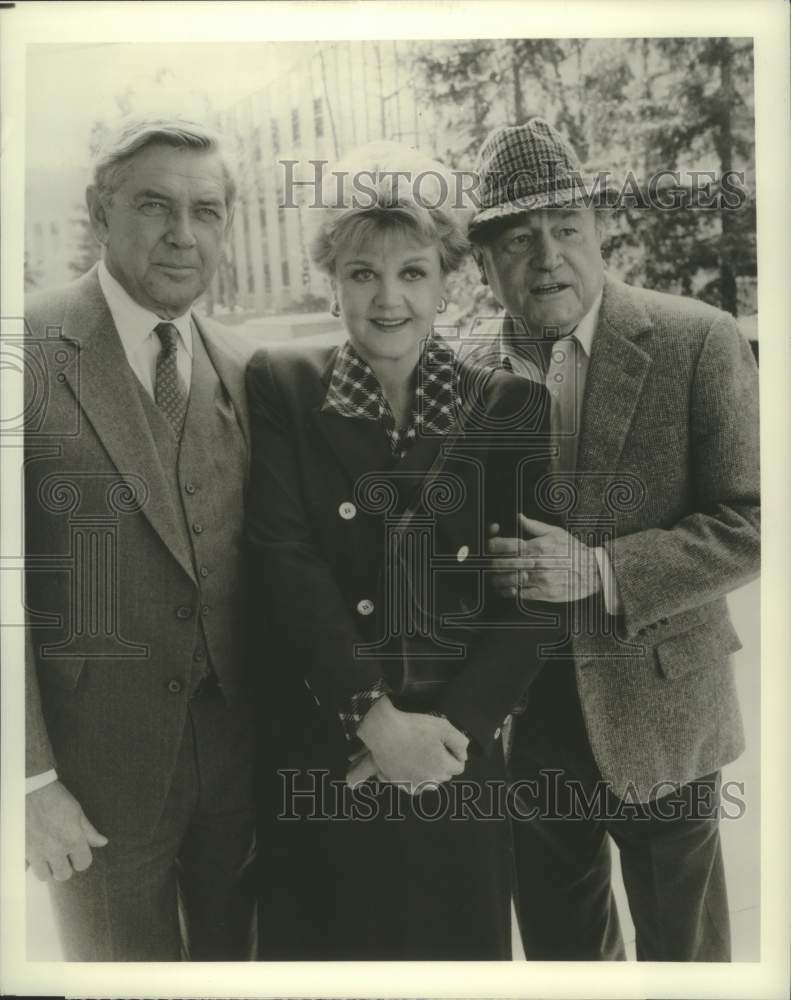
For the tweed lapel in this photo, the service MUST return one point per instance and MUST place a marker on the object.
(618, 368)
(230, 370)
(106, 390)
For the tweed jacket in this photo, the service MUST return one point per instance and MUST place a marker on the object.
(111, 644)
(668, 473)
(324, 488)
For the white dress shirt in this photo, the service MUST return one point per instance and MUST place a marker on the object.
(135, 325)
(565, 379)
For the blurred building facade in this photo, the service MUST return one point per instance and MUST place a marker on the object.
(331, 98)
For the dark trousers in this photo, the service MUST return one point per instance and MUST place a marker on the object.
(373, 875)
(186, 892)
(670, 851)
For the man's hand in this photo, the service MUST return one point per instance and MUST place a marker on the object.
(408, 748)
(548, 564)
(58, 834)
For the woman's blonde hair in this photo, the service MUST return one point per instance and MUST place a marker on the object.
(385, 187)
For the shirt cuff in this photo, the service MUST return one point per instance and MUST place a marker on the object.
(612, 597)
(37, 781)
(358, 705)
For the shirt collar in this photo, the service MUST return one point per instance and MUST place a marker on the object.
(586, 327)
(354, 391)
(133, 322)
(582, 333)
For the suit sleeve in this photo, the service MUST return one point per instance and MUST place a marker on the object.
(39, 756)
(503, 661)
(661, 572)
(294, 585)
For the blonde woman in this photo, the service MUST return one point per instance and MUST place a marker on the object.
(355, 447)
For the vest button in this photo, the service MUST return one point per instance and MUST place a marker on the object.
(197, 528)
(365, 607)
(189, 488)
(204, 610)
(174, 686)
(204, 571)
(198, 655)
(183, 612)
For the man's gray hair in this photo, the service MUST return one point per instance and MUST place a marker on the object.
(135, 134)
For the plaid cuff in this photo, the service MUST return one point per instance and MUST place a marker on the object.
(358, 705)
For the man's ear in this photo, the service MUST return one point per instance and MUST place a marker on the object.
(478, 257)
(97, 211)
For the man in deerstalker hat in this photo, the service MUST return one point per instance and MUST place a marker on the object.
(655, 438)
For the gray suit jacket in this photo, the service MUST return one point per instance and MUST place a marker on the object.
(106, 689)
(668, 465)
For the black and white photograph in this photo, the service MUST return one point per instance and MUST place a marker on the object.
(388, 608)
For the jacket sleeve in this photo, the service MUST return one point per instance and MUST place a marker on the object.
(661, 572)
(39, 756)
(503, 661)
(294, 585)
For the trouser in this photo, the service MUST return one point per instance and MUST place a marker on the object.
(186, 891)
(670, 851)
(374, 875)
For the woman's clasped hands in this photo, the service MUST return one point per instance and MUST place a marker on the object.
(414, 750)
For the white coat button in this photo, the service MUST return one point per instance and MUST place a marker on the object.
(347, 510)
(498, 733)
(462, 554)
(365, 607)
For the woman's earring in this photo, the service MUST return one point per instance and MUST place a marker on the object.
(335, 309)
(442, 305)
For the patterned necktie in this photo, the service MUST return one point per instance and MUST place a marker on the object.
(170, 393)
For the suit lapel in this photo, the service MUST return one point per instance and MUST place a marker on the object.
(106, 389)
(359, 445)
(231, 372)
(618, 368)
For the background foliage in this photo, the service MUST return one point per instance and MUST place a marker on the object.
(640, 105)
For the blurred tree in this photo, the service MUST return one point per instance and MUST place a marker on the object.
(463, 80)
(87, 249)
(32, 275)
(701, 117)
(627, 105)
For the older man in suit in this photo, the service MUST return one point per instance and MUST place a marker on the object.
(138, 740)
(655, 419)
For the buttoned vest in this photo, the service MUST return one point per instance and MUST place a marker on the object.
(206, 473)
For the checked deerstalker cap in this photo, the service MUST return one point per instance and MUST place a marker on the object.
(524, 167)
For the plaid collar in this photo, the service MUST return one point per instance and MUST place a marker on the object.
(355, 392)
